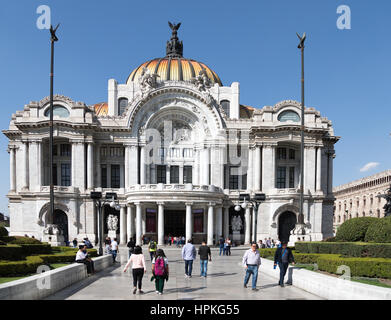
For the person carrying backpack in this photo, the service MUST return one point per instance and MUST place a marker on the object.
(152, 247)
(160, 270)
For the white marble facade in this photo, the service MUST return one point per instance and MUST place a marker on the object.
(177, 148)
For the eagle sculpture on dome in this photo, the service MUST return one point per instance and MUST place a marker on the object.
(174, 27)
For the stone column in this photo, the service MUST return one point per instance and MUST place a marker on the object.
(33, 166)
(226, 222)
(319, 169)
(130, 221)
(247, 223)
(257, 169)
(78, 164)
(98, 181)
(196, 168)
(250, 169)
(189, 221)
(144, 222)
(210, 223)
(138, 223)
(142, 165)
(160, 224)
(219, 221)
(181, 174)
(331, 157)
(122, 225)
(90, 166)
(268, 168)
(168, 174)
(205, 166)
(133, 165)
(25, 166)
(12, 169)
(126, 164)
(253, 217)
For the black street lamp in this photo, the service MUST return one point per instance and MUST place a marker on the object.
(301, 214)
(255, 200)
(111, 199)
(53, 39)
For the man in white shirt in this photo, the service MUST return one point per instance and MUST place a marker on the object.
(251, 263)
(82, 257)
(114, 249)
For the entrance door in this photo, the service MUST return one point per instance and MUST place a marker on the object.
(286, 223)
(61, 220)
(174, 222)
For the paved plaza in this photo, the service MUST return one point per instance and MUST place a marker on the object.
(224, 282)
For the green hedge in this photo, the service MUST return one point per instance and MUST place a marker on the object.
(33, 249)
(299, 257)
(18, 268)
(349, 249)
(359, 267)
(354, 229)
(3, 232)
(379, 231)
(11, 252)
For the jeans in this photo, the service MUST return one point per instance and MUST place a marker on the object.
(138, 274)
(152, 254)
(188, 267)
(204, 267)
(221, 250)
(251, 270)
(283, 268)
(114, 253)
(130, 253)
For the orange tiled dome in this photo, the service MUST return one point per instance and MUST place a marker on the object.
(174, 68)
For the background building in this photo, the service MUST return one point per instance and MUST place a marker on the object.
(359, 198)
(207, 148)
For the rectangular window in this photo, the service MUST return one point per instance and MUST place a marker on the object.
(281, 154)
(161, 174)
(244, 182)
(104, 175)
(55, 150)
(292, 154)
(281, 177)
(233, 179)
(291, 177)
(187, 174)
(174, 174)
(66, 174)
(115, 176)
(54, 174)
(65, 150)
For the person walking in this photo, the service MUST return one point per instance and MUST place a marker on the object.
(251, 262)
(152, 247)
(221, 246)
(204, 252)
(189, 255)
(114, 249)
(131, 244)
(108, 245)
(160, 270)
(283, 257)
(138, 268)
(74, 242)
(229, 244)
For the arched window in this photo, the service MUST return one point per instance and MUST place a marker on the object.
(122, 104)
(225, 104)
(288, 115)
(58, 110)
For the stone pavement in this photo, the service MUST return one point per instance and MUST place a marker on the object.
(224, 282)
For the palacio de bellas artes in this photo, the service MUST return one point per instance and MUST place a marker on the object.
(175, 148)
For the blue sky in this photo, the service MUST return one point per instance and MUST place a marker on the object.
(252, 42)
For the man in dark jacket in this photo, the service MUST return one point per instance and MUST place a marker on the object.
(204, 252)
(131, 244)
(283, 257)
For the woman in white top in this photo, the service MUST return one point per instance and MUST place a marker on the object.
(138, 268)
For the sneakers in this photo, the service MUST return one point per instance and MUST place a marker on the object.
(157, 292)
(245, 286)
(134, 291)
(140, 291)
(254, 289)
(160, 293)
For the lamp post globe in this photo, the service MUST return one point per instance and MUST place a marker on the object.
(237, 208)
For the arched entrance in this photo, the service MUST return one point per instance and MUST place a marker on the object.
(61, 220)
(286, 223)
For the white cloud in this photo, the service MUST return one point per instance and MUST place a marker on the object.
(369, 166)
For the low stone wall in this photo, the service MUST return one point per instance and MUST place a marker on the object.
(45, 284)
(324, 286)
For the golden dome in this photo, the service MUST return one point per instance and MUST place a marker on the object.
(174, 68)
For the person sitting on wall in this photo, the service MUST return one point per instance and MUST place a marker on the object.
(82, 257)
